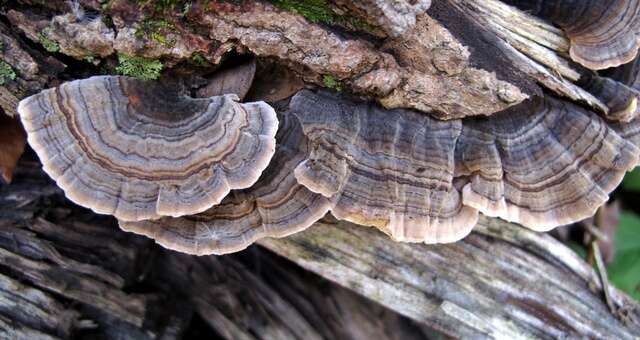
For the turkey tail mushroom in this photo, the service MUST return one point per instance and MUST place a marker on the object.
(391, 169)
(276, 206)
(542, 164)
(137, 150)
(603, 33)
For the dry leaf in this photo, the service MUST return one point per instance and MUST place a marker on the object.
(12, 143)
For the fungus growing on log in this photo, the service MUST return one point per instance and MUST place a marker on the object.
(542, 164)
(276, 206)
(603, 33)
(138, 150)
(392, 169)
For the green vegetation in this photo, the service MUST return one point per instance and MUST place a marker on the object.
(157, 30)
(47, 43)
(162, 5)
(6, 73)
(319, 11)
(139, 67)
(197, 59)
(314, 10)
(632, 181)
(624, 271)
(332, 83)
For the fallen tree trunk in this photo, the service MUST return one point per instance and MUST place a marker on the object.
(502, 280)
(66, 272)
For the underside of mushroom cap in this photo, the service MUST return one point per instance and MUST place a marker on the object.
(542, 164)
(603, 33)
(391, 169)
(137, 150)
(276, 206)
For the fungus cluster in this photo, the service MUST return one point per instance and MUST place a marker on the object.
(212, 175)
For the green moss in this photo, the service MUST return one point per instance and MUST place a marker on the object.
(332, 83)
(157, 31)
(47, 43)
(162, 5)
(6, 73)
(314, 10)
(319, 11)
(198, 59)
(139, 67)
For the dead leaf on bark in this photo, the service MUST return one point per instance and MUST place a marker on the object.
(274, 82)
(236, 79)
(12, 143)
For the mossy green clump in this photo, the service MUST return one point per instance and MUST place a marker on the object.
(48, 44)
(157, 31)
(197, 59)
(332, 83)
(7, 73)
(162, 5)
(319, 11)
(139, 67)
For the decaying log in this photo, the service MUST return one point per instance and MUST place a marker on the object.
(73, 273)
(502, 280)
(66, 272)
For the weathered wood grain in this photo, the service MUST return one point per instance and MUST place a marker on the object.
(501, 281)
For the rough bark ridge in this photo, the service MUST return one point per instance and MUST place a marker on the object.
(66, 272)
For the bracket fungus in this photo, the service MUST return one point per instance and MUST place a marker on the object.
(603, 33)
(392, 169)
(542, 164)
(138, 150)
(275, 206)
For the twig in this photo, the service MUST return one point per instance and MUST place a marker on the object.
(602, 271)
(595, 231)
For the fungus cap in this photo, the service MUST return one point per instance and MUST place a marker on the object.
(542, 164)
(391, 169)
(276, 206)
(138, 150)
(603, 33)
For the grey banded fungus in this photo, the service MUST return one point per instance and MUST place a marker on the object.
(276, 206)
(137, 150)
(603, 33)
(542, 164)
(391, 169)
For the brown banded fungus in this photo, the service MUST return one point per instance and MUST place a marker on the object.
(138, 150)
(275, 206)
(603, 33)
(542, 164)
(392, 169)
